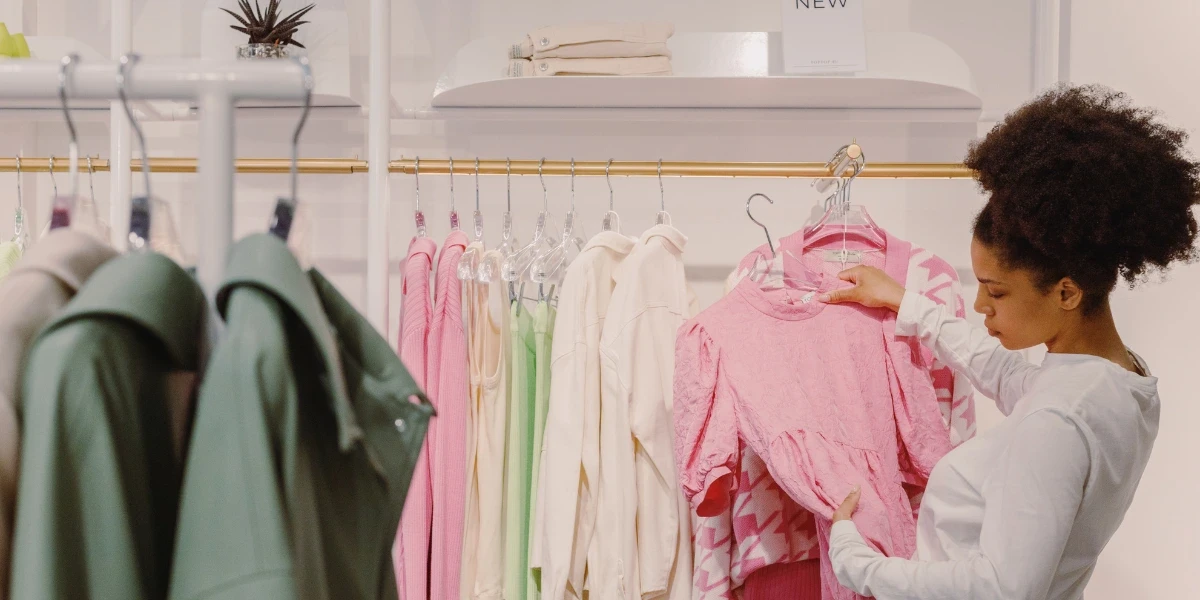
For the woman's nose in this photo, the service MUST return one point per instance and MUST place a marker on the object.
(981, 305)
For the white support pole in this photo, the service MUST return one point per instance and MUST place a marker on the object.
(214, 215)
(120, 180)
(379, 139)
(1046, 15)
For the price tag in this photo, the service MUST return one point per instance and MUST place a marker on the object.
(823, 37)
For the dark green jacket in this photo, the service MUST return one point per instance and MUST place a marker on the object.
(303, 446)
(99, 490)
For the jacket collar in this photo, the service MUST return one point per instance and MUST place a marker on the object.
(263, 261)
(668, 233)
(150, 290)
(67, 255)
(621, 244)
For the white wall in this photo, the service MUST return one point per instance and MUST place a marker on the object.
(1130, 47)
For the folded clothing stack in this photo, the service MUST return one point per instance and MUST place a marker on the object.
(593, 49)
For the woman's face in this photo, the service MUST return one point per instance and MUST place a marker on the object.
(1015, 310)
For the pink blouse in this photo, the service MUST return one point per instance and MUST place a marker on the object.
(822, 413)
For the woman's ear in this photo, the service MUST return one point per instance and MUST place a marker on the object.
(1070, 295)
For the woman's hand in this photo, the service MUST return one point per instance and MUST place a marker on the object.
(872, 288)
(846, 510)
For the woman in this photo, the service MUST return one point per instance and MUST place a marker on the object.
(1084, 190)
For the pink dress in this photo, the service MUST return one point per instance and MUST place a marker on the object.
(412, 544)
(448, 375)
(826, 402)
(737, 553)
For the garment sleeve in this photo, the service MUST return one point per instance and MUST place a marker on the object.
(1030, 511)
(1000, 374)
(705, 423)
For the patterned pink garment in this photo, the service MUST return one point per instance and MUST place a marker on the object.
(413, 537)
(764, 527)
(448, 376)
(724, 558)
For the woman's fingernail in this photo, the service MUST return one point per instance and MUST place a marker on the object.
(854, 490)
(824, 298)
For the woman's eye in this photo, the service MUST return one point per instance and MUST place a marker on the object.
(995, 296)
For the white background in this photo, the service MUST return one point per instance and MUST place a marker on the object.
(1147, 51)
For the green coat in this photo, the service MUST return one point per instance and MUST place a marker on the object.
(99, 488)
(303, 446)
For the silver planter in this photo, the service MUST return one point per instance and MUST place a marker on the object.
(256, 51)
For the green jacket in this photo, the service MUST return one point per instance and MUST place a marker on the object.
(99, 489)
(303, 446)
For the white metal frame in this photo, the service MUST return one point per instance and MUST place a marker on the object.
(379, 157)
(215, 86)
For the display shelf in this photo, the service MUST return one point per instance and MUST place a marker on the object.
(911, 77)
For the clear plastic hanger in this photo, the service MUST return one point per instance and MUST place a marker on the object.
(453, 209)
(86, 211)
(20, 235)
(418, 216)
(612, 221)
(767, 273)
(550, 265)
(663, 218)
(490, 267)
(290, 220)
(64, 206)
(145, 233)
(842, 219)
(468, 265)
(516, 266)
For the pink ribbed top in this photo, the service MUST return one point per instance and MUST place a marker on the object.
(412, 543)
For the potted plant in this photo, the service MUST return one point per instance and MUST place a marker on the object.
(270, 36)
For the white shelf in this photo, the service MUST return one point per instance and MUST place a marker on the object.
(737, 76)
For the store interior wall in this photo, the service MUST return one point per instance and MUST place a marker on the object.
(1110, 42)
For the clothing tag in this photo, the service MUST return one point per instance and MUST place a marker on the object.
(844, 256)
(808, 298)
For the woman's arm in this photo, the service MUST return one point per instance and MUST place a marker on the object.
(1030, 512)
(1000, 374)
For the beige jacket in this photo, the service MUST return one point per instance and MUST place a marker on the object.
(45, 279)
(596, 40)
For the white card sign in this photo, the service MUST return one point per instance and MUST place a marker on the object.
(823, 36)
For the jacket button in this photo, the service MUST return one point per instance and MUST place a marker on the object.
(400, 426)
(543, 67)
(544, 42)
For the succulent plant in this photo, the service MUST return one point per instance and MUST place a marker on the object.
(268, 28)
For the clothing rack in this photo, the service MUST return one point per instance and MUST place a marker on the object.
(215, 86)
(349, 166)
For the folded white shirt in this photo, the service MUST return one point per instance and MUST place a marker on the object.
(546, 67)
(596, 40)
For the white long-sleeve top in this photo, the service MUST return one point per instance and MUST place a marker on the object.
(1021, 512)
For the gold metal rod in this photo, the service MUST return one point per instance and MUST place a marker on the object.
(808, 170)
(308, 166)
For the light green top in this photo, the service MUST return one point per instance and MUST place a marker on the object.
(303, 447)
(99, 487)
(543, 337)
(518, 458)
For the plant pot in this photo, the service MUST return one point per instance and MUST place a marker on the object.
(257, 51)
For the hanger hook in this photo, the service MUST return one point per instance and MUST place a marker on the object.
(572, 185)
(508, 181)
(91, 183)
(545, 194)
(309, 83)
(770, 244)
(65, 71)
(476, 184)
(452, 185)
(662, 195)
(608, 178)
(53, 181)
(20, 204)
(127, 63)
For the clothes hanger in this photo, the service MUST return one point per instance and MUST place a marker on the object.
(468, 265)
(86, 211)
(763, 271)
(418, 216)
(516, 267)
(63, 206)
(453, 210)
(146, 233)
(612, 221)
(841, 219)
(549, 267)
(20, 236)
(663, 218)
(287, 207)
(490, 267)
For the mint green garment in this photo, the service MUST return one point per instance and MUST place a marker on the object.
(10, 253)
(518, 454)
(304, 444)
(543, 337)
(98, 495)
